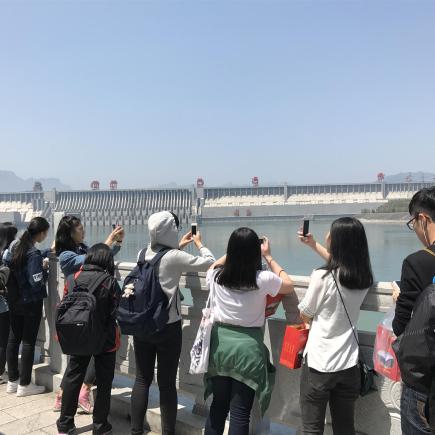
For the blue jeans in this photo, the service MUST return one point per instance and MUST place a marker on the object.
(414, 412)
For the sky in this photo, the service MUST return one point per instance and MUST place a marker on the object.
(153, 92)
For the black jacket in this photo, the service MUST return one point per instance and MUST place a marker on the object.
(418, 271)
(107, 295)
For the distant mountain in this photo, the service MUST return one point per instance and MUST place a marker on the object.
(411, 176)
(9, 182)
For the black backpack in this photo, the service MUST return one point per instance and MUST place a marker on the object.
(415, 348)
(80, 330)
(146, 311)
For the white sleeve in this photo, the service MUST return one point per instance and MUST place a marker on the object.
(269, 283)
(314, 295)
(210, 276)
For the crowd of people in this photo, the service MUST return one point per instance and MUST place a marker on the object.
(239, 367)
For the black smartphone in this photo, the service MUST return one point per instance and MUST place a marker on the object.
(261, 240)
(113, 226)
(194, 228)
(306, 227)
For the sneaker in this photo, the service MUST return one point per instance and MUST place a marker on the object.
(57, 403)
(29, 390)
(11, 387)
(85, 401)
(70, 432)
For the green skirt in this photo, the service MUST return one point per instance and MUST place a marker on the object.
(240, 353)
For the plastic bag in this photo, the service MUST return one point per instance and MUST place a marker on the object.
(384, 358)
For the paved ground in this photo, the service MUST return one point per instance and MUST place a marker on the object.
(33, 415)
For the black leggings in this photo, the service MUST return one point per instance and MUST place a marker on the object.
(166, 346)
(90, 377)
(235, 397)
(25, 321)
(4, 334)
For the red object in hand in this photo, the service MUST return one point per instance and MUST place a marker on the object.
(272, 303)
(384, 358)
(293, 345)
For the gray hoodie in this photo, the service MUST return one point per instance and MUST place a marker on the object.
(164, 234)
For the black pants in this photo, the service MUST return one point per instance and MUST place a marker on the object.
(89, 377)
(73, 380)
(4, 335)
(25, 320)
(235, 397)
(340, 389)
(166, 346)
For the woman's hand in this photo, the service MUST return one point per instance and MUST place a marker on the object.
(307, 239)
(197, 239)
(396, 291)
(266, 250)
(117, 235)
(185, 240)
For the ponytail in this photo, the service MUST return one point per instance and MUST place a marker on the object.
(36, 226)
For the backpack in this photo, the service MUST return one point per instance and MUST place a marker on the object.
(80, 330)
(415, 348)
(146, 311)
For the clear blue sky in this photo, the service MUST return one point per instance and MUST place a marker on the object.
(160, 91)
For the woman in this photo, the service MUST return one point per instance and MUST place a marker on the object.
(97, 265)
(166, 344)
(330, 373)
(8, 231)
(71, 250)
(239, 366)
(26, 263)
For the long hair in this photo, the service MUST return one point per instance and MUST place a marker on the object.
(101, 255)
(8, 231)
(243, 261)
(36, 226)
(64, 240)
(350, 254)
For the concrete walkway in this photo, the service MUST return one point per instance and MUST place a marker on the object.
(33, 415)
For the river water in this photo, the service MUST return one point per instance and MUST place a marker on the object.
(389, 244)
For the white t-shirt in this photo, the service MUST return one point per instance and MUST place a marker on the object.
(331, 346)
(243, 308)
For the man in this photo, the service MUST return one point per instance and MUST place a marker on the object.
(418, 271)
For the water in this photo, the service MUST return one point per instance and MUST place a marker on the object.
(389, 244)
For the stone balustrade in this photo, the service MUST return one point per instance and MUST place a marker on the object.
(376, 413)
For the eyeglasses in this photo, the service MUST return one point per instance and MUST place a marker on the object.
(410, 224)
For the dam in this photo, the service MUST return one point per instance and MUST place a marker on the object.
(133, 206)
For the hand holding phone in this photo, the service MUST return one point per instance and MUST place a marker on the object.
(194, 229)
(306, 227)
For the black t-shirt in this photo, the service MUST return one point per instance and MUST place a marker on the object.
(418, 271)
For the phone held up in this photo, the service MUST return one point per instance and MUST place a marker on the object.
(194, 229)
(306, 227)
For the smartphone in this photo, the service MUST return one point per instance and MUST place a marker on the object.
(306, 227)
(193, 230)
(113, 226)
(261, 240)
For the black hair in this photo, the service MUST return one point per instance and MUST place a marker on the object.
(36, 226)
(242, 262)
(349, 253)
(64, 240)
(101, 255)
(8, 231)
(423, 201)
(177, 221)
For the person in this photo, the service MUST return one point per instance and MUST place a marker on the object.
(8, 231)
(98, 262)
(239, 366)
(329, 372)
(70, 248)
(165, 345)
(26, 263)
(418, 271)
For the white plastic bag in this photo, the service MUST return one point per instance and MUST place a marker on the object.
(200, 351)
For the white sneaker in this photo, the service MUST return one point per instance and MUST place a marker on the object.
(29, 390)
(11, 387)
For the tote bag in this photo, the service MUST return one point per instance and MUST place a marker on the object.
(200, 351)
